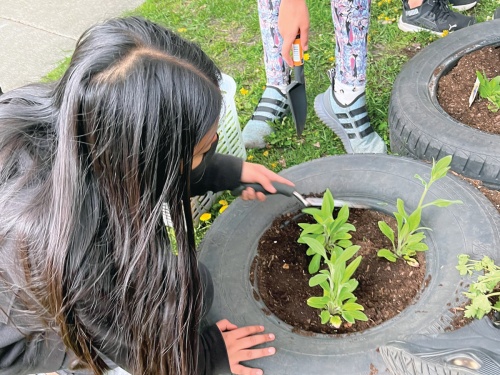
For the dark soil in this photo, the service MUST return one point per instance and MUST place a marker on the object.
(385, 289)
(455, 87)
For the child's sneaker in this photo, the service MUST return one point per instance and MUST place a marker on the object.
(433, 16)
(462, 5)
(273, 105)
(349, 122)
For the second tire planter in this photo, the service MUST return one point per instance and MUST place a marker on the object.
(230, 246)
(419, 127)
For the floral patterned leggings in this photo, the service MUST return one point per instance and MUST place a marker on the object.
(351, 20)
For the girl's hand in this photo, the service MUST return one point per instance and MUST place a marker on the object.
(238, 343)
(256, 173)
(293, 19)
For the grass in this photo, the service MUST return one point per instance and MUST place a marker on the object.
(228, 31)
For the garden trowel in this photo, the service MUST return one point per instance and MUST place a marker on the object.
(296, 90)
(289, 191)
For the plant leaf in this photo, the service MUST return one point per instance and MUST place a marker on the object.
(325, 316)
(348, 253)
(314, 264)
(317, 279)
(414, 219)
(387, 254)
(317, 302)
(386, 230)
(350, 306)
(359, 315)
(443, 203)
(328, 203)
(350, 269)
(316, 246)
(335, 321)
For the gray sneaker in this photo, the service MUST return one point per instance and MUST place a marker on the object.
(349, 122)
(433, 16)
(273, 106)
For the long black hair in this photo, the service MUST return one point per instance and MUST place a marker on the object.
(88, 162)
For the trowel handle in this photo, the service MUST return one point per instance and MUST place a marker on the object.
(280, 189)
(297, 53)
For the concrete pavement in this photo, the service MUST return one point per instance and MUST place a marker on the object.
(35, 35)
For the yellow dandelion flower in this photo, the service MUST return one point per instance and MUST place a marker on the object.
(223, 202)
(379, 3)
(223, 208)
(206, 216)
(331, 58)
(250, 157)
(445, 32)
(181, 30)
(266, 153)
(274, 165)
(306, 57)
(387, 19)
(243, 91)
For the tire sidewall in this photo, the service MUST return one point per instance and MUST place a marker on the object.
(421, 128)
(230, 246)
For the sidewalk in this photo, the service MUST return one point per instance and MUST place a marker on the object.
(35, 35)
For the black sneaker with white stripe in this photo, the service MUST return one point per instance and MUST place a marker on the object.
(433, 16)
(462, 5)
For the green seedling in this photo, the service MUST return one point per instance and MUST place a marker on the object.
(338, 300)
(482, 292)
(490, 90)
(409, 236)
(329, 242)
(329, 232)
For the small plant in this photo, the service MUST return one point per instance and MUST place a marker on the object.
(329, 242)
(338, 300)
(483, 290)
(409, 238)
(329, 232)
(490, 90)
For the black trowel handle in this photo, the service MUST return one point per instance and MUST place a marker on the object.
(280, 189)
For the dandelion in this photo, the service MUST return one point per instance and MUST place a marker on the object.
(243, 91)
(331, 58)
(445, 32)
(206, 216)
(181, 30)
(250, 157)
(223, 208)
(274, 165)
(265, 153)
(306, 57)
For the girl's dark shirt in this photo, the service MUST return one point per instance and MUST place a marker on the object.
(26, 347)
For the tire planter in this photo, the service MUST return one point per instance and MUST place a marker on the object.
(230, 246)
(419, 127)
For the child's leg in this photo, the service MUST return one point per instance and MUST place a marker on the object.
(351, 21)
(276, 69)
(273, 104)
(343, 106)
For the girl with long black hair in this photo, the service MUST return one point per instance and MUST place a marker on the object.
(87, 273)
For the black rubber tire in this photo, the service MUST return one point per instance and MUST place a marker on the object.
(418, 125)
(230, 246)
